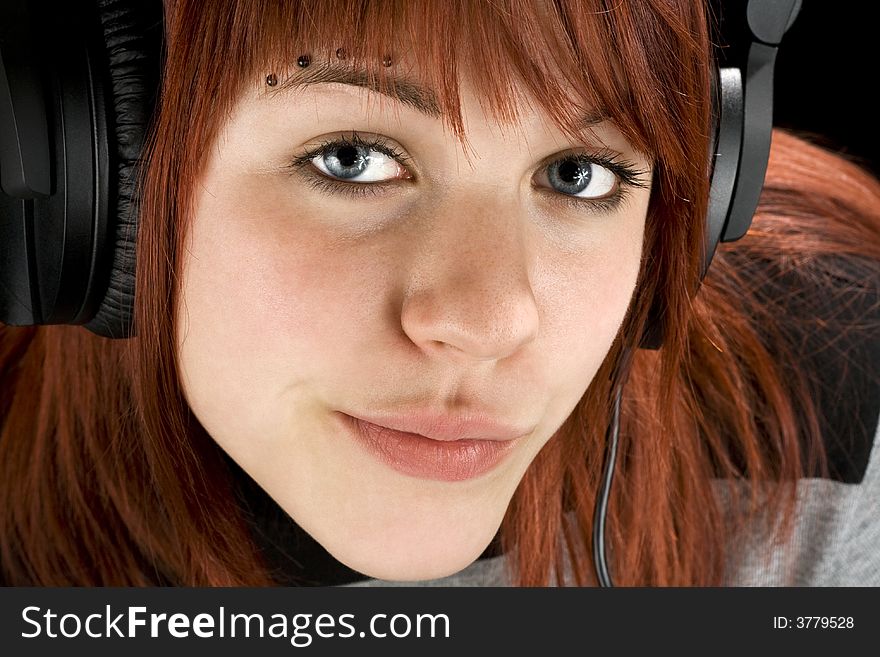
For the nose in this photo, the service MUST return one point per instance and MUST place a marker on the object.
(469, 295)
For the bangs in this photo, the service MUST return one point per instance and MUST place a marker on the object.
(636, 64)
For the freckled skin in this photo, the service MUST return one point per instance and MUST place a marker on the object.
(463, 287)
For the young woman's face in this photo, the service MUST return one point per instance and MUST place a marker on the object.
(422, 289)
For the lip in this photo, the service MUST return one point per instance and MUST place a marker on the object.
(448, 427)
(448, 459)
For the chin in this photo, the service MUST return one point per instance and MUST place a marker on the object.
(421, 551)
(405, 566)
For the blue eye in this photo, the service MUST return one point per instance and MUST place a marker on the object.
(355, 162)
(344, 162)
(580, 177)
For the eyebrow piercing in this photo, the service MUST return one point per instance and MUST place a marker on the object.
(304, 60)
(271, 79)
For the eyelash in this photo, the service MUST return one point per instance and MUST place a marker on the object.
(628, 176)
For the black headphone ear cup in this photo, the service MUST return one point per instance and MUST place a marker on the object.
(132, 32)
(728, 107)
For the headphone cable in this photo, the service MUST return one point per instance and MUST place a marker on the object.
(599, 551)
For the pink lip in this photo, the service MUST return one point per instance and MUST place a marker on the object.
(446, 427)
(449, 459)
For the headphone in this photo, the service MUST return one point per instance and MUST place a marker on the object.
(78, 87)
(743, 113)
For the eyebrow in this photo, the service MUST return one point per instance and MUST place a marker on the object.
(400, 88)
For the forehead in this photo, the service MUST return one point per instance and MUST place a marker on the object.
(508, 53)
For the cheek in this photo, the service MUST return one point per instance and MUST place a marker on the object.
(586, 296)
(265, 306)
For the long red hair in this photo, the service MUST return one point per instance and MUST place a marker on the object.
(106, 478)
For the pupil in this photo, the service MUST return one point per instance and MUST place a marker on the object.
(347, 156)
(570, 171)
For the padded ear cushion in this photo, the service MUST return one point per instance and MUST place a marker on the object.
(132, 31)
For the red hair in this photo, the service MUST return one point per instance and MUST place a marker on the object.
(106, 478)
